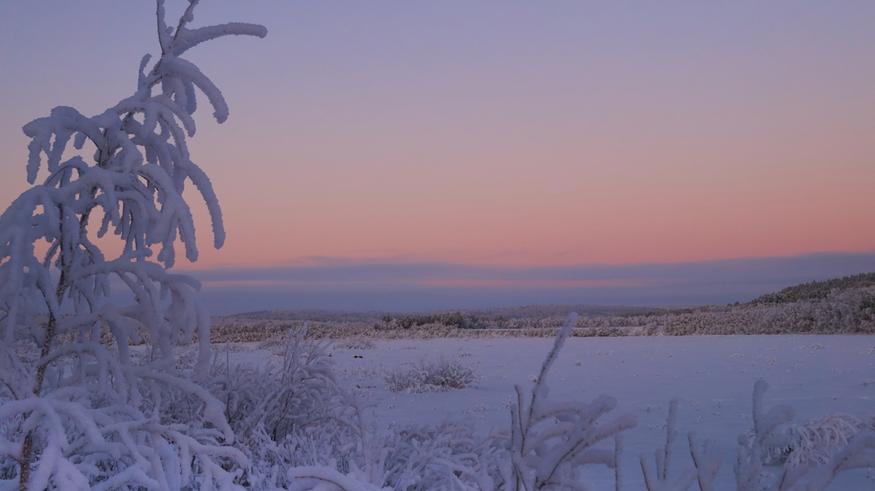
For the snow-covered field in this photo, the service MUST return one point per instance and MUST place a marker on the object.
(712, 376)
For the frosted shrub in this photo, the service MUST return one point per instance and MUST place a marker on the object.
(79, 411)
(551, 441)
(779, 455)
(277, 397)
(285, 415)
(323, 478)
(813, 442)
(413, 458)
(775, 455)
(447, 456)
(431, 377)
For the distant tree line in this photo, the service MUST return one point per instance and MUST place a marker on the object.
(817, 290)
(457, 320)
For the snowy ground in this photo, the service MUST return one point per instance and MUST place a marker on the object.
(713, 377)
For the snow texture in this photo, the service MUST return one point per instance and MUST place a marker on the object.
(462, 440)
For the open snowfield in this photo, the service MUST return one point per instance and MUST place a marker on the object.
(712, 376)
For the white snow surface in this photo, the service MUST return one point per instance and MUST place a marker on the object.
(712, 376)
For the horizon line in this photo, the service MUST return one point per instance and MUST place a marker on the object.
(338, 261)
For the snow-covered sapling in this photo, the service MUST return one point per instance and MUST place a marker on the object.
(551, 441)
(86, 413)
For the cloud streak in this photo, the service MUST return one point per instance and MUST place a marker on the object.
(399, 286)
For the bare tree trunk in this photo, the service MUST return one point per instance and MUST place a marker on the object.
(27, 446)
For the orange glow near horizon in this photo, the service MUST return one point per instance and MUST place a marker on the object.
(570, 200)
(526, 135)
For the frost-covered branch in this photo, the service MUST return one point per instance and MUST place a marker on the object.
(551, 441)
(707, 461)
(660, 477)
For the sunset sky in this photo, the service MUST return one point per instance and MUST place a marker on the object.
(496, 134)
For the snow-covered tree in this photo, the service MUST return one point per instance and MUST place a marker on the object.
(81, 408)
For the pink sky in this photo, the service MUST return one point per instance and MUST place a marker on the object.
(506, 135)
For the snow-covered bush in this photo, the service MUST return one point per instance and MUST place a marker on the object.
(282, 398)
(430, 377)
(414, 458)
(447, 456)
(291, 414)
(80, 411)
(813, 442)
